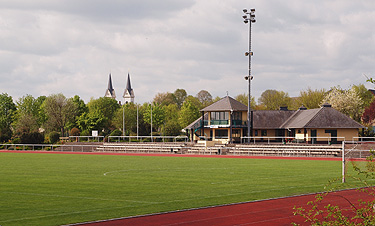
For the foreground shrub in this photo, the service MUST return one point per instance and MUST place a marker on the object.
(54, 137)
(32, 138)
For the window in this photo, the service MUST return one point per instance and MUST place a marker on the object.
(221, 133)
(219, 115)
(264, 132)
(237, 115)
(256, 133)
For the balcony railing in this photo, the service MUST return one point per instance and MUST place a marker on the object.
(219, 122)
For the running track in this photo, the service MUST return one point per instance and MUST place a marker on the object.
(265, 212)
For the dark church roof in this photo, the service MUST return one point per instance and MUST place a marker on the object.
(225, 104)
(110, 88)
(128, 88)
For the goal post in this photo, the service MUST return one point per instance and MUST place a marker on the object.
(356, 153)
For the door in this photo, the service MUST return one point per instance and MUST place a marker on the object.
(313, 136)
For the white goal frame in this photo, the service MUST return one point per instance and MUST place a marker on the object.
(344, 153)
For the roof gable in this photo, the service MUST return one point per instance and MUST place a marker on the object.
(226, 104)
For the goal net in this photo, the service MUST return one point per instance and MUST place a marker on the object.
(357, 154)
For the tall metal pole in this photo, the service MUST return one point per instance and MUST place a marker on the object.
(249, 17)
(123, 119)
(249, 125)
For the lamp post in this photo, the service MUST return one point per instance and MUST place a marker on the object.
(249, 17)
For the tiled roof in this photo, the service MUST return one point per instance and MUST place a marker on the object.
(270, 119)
(225, 104)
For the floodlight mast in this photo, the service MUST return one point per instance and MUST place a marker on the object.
(249, 17)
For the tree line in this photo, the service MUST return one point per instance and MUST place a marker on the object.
(46, 118)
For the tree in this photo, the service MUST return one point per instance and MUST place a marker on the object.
(7, 110)
(28, 117)
(273, 99)
(347, 102)
(129, 111)
(194, 101)
(171, 126)
(180, 96)
(59, 111)
(164, 99)
(366, 96)
(310, 98)
(99, 117)
(243, 98)
(188, 114)
(368, 115)
(158, 116)
(204, 97)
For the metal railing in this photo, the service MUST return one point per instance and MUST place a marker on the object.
(49, 147)
(87, 138)
(148, 138)
(313, 140)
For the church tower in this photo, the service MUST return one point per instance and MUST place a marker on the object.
(110, 92)
(128, 93)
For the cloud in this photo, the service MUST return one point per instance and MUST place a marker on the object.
(70, 46)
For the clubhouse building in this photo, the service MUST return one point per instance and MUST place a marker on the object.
(225, 121)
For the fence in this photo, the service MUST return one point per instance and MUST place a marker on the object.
(87, 138)
(148, 138)
(49, 147)
(312, 140)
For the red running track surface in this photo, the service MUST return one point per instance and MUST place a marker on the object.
(268, 212)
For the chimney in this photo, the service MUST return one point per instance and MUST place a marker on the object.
(283, 108)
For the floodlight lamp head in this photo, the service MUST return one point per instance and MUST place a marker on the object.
(252, 10)
(244, 16)
(245, 21)
(246, 77)
(245, 10)
(247, 54)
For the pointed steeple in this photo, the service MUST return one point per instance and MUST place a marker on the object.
(128, 93)
(110, 92)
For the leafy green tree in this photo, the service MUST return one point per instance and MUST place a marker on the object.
(81, 109)
(243, 98)
(188, 114)
(347, 102)
(129, 111)
(158, 116)
(366, 96)
(180, 96)
(59, 111)
(171, 126)
(28, 116)
(273, 99)
(194, 101)
(310, 98)
(7, 111)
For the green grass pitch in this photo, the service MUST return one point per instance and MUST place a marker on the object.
(55, 189)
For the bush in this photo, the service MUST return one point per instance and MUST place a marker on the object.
(85, 133)
(74, 132)
(32, 138)
(54, 137)
(116, 132)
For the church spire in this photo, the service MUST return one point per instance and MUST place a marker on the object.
(128, 93)
(110, 92)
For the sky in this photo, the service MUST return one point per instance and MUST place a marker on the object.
(71, 46)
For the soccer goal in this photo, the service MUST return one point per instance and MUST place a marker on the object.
(355, 153)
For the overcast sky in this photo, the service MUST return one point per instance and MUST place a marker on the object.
(70, 46)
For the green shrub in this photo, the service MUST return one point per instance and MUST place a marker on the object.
(54, 137)
(116, 132)
(32, 138)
